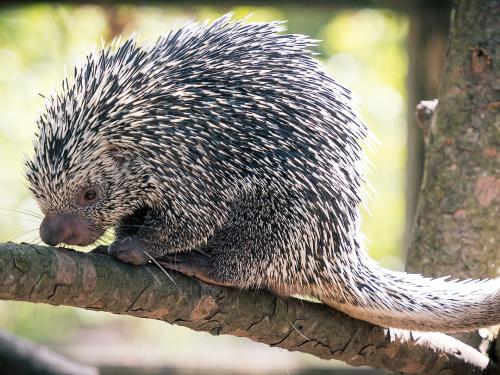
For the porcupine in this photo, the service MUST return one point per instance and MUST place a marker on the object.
(226, 152)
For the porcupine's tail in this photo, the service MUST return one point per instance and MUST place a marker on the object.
(411, 301)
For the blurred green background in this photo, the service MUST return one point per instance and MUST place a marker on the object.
(366, 49)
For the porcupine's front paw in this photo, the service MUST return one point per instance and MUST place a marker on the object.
(130, 250)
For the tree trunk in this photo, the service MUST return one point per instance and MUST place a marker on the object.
(429, 28)
(457, 219)
(456, 226)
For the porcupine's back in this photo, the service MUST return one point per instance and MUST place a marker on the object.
(244, 101)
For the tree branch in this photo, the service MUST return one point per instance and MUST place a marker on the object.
(19, 356)
(96, 282)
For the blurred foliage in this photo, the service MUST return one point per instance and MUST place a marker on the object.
(364, 49)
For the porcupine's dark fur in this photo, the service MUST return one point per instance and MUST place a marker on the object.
(228, 146)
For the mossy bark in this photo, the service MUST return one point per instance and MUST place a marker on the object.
(457, 223)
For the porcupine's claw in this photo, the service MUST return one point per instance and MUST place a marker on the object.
(192, 263)
(130, 250)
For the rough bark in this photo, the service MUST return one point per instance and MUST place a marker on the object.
(457, 217)
(97, 282)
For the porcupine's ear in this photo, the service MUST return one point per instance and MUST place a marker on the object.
(116, 153)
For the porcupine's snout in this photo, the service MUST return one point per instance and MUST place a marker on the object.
(67, 229)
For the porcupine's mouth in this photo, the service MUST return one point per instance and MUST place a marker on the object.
(132, 223)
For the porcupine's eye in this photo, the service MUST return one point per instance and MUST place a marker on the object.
(88, 196)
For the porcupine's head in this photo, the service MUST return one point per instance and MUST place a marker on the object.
(84, 174)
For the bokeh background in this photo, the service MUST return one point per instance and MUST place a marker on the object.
(367, 49)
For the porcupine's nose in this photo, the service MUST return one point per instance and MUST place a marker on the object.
(58, 228)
